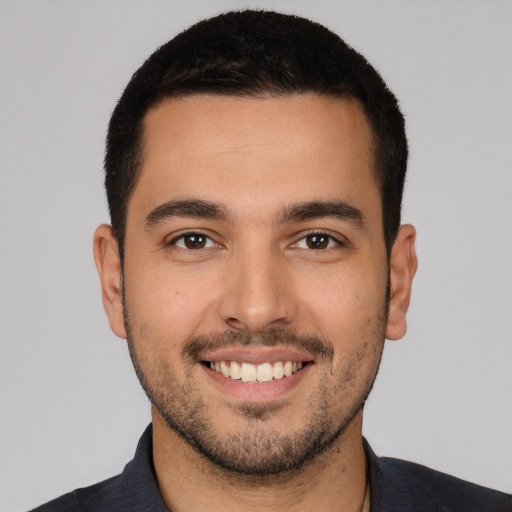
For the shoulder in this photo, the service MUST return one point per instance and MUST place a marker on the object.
(410, 486)
(94, 497)
(133, 490)
(449, 491)
(64, 503)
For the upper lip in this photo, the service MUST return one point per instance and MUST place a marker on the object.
(256, 355)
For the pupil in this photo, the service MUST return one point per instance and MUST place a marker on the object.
(318, 241)
(195, 241)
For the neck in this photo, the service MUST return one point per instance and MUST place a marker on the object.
(188, 482)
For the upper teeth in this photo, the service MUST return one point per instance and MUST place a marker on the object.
(248, 372)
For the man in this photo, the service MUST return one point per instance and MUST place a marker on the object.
(256, 264)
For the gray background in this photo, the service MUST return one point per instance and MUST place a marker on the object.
(71, 407)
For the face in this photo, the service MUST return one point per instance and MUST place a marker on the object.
(255, 279)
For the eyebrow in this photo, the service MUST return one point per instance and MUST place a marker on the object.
(193, 208)
(321, 209)
(201, 209)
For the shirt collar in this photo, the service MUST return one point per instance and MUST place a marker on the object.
(137, 487)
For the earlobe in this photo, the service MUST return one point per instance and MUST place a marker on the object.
(402, 267)
(108, 264)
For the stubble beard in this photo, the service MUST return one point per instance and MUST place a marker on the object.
(258, 451)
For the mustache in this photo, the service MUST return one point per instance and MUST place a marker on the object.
(277, 336)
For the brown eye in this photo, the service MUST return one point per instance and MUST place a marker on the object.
(318, 241)
(192, 241)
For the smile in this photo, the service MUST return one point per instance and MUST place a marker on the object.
(247, 372)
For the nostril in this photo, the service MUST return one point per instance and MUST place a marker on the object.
(236, 324)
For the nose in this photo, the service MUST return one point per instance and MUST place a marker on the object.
(257, 294)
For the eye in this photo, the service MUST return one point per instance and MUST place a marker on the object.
(317, 241)
(193, 241)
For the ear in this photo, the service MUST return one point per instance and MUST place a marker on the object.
(108, 263)
(402, 267)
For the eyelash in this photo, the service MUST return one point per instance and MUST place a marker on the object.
(321, 234)
(184, 236)
(209, 242)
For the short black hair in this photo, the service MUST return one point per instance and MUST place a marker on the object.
(251, 54)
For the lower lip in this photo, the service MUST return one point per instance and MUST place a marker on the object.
(257, 391)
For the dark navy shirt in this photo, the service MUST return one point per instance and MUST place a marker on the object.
(395, 486)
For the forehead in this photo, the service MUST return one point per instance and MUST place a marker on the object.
(236, 150)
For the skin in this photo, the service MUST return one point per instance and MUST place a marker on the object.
(258, 273)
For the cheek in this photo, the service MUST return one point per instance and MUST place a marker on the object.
(173, 303)
(346, 301)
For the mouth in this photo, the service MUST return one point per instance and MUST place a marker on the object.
(256, 373)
